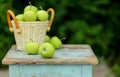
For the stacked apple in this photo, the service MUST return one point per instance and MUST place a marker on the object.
(31, 13)
(47, 49)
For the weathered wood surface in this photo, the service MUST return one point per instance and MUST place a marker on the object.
(67, 54)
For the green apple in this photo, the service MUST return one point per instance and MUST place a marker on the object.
(42, 15)
(46, 50)
(31, 8)
(56, 42)
(29, 16)
(32, 48)
(47, 38)
(19, 17)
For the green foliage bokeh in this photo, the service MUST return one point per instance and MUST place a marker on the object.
(93, 22)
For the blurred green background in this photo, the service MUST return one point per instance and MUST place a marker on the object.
(93, 22)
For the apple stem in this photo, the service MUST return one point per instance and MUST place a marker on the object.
(44, 49)
(41, 8)
(30, 5)
(31, 40)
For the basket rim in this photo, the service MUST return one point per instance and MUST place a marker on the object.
(31, 21)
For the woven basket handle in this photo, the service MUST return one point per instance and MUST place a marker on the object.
(9, 14)
(51, 18)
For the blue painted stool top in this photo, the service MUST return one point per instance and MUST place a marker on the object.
(67, 54)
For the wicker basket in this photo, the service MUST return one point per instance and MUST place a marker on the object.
(24, 32)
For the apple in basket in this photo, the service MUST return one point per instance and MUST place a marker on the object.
(29, 16)
(30, 13)
(32, 48)
(31, 8)
(42, 15)
(19, 17)
(47, 50)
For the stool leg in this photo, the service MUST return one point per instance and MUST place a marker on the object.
(14, 71)
(86, 70)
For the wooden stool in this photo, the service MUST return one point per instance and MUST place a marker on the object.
(68, 61)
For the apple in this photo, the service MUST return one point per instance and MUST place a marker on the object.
(47, 38)
(29, 16)
(32, 48)
(19, 17)
(46, 50)
(42, 15)
(31, 8)
(56, 42)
